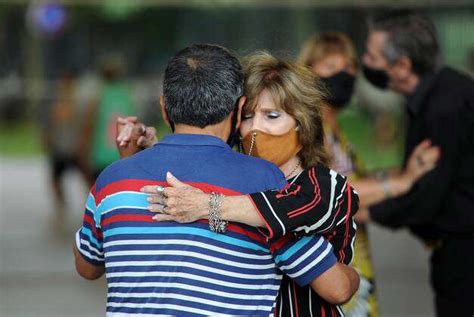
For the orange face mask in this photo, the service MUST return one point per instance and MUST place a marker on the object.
(277, 149)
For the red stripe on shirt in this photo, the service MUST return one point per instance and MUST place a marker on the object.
(294, 297)
(252, 235)
(309, 207)
(285, 193)
(270, 231)
(93, 191)
(238, 229)
(91, 222)
(127, 217)
(137, 184)
(348, 215)
(148, 218)
(280, 242)
(314, 202)
(339, 203)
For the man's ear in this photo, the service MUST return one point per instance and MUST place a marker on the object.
(164, 113)
(240, 105)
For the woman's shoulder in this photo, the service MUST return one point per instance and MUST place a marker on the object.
(323, 174)
(322, 170)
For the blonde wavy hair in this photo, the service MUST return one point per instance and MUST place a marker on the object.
(295, 90)
(324, 44)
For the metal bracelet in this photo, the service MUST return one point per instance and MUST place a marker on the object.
(386, 188)
(384, 178)
(216, 223)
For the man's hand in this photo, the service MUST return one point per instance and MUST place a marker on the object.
(422, 160)
(338, 284)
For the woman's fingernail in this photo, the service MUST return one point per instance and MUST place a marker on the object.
(168, 175)
(149, 199)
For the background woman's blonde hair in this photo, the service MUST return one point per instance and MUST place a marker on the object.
(295, 90)
(324, 44)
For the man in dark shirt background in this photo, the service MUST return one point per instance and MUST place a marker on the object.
(403, 55)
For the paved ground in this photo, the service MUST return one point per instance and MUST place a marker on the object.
(36, 264)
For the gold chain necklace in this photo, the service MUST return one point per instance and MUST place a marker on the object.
(294, 169)
(252, 143)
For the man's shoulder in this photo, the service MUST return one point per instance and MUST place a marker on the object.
(256, 164)
(121, 169)
(325, 177)
(324, 172)
(451, 84)
(260, 172)
(448, 74)
(450, 94)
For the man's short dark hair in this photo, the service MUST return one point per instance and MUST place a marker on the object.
(410, 34)
(202, 85)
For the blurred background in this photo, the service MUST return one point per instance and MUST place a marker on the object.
(57, 59)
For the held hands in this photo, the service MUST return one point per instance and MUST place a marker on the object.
(422, 160)
(179, 202)
(133, 136)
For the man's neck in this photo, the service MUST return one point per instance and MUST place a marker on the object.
(217, 130)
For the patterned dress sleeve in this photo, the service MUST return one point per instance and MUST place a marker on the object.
(314, 203)
(343, 236)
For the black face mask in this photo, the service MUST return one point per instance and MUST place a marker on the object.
(376, 77)
(340, 87)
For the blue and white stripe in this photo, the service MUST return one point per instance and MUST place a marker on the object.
(166, 268)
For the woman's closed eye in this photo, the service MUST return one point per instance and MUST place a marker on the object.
(273, 115)
(247, 116)
(268, 115)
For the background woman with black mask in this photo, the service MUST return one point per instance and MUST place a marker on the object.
(332, 57)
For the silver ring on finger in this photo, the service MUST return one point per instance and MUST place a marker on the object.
(160, 189)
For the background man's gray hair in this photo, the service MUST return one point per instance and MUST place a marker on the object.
(412, 35)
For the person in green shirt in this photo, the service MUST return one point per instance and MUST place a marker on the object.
(113, 101)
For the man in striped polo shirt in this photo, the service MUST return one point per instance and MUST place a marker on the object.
(167, 268)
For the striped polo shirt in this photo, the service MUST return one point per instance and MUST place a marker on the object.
(166, 268)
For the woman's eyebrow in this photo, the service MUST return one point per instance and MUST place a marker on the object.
(268, 109)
